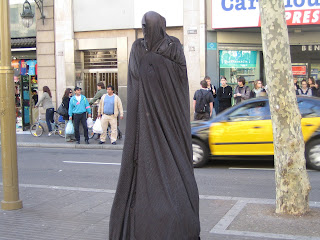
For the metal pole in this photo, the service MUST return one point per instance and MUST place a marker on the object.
(7, 117)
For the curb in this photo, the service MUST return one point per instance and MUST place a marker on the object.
(72, 146)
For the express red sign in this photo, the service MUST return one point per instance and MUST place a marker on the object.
(299, 70)
(245, 13)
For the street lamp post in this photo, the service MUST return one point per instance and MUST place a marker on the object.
(11, 199)
(27, 14)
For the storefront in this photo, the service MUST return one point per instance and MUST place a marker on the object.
(234, 64)
(24, 63)
(234, 46)
(305, 61)
(26, 91)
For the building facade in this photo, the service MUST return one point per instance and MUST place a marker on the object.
(84, 42)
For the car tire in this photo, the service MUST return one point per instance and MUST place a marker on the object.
(313, 154)
(200, 153)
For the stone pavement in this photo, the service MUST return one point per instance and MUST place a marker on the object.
(57, 212)
(25, 139)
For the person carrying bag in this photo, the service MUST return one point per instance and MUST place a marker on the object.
(65, 107)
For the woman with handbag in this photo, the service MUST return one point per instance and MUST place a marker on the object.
(65, 103)
(46, 102)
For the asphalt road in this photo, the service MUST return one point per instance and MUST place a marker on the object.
(100, 169)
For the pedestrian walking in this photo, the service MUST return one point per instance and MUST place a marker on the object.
(241, 92)
(318, 88)
(258, 90)
(210, 87)
(65, 101)
(311, 82)
(305, 90)
(78, 107)
(34, 96)
(157, 195)
(203, 102)
(312, 86)
(224, 94)
(296, 85)
(101, 90)
(110, 107)
(46, 102)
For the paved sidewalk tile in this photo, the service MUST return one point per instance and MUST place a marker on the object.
(55, 141)
(262, 219)
(55, 212)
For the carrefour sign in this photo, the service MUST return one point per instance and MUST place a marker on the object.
(245, 13)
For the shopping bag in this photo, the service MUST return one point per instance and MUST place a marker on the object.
(62, 110)
(97, 128)
(69, 128)
(89, 122)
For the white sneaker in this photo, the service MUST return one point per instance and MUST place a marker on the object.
(50, 133)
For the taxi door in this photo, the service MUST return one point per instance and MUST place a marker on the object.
(246, 131)
(310, 121)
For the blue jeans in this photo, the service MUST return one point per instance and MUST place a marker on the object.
(49, 118)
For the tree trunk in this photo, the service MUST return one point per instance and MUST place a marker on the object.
(292, 182)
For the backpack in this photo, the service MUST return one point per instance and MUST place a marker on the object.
(201, 103)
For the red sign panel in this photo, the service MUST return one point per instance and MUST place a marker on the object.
(299, 70)
(303, 17)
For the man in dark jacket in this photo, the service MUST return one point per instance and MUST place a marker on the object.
(203, 102)
(224, 94)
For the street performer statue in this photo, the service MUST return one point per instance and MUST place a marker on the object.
(157, 196)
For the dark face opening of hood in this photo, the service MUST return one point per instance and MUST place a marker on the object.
(154, 30)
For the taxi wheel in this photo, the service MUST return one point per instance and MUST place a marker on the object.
(313, 154)
(200, 153)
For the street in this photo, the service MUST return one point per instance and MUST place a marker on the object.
(100, 169)
(67, 194)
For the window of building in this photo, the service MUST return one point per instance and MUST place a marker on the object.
(99, 66)
(234, 64)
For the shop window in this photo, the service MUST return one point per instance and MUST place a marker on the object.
(234, 64)
(26, 92)
(100, 59)
(315, 71)
(99, 66)
(300, 71)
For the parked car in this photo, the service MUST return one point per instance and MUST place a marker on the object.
(246, 130)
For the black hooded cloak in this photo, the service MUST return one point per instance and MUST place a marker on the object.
(157, 196)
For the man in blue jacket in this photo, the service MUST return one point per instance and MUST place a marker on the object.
(78, 106)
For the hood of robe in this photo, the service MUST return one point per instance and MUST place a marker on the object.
(154, 30)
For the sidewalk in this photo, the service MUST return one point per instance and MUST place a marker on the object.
(25, 139)
(57, 212)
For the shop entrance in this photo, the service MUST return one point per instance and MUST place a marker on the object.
(99, 66)
(91, 78)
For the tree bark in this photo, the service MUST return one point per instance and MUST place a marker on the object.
(292, 182)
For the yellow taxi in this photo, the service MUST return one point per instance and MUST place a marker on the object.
(246, 130)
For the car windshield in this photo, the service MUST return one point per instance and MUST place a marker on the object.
(251, 111)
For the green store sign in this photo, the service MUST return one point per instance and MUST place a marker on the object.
(238, 59)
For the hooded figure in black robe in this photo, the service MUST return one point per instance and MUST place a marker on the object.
(157, 196)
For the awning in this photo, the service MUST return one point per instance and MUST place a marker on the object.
(23, 42)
